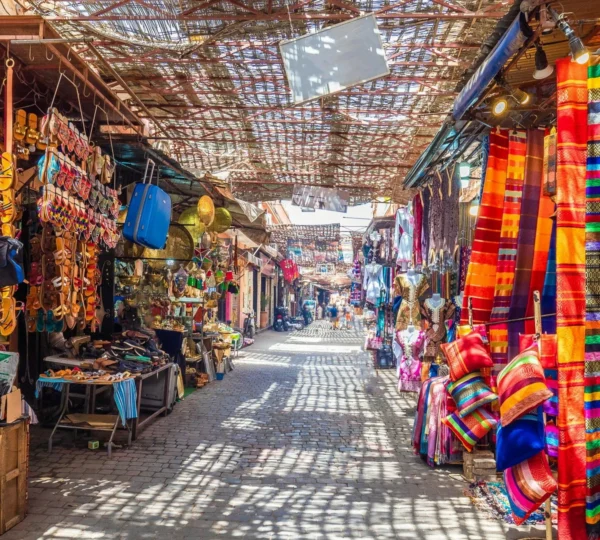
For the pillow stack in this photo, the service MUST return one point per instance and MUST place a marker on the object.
(467, 356)
(521, 438)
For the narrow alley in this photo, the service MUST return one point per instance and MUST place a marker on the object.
(302, 440)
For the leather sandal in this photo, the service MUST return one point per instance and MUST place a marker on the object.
(20, 126)
(8, 317)
(7, 172)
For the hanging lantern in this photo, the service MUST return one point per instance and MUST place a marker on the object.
(222, 220)
(206, 210)
(206, 240)
(191, 220)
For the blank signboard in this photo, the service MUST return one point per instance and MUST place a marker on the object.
(334, 58)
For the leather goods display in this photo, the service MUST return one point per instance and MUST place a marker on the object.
(149, 213)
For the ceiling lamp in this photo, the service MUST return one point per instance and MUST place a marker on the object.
(474, 209)
(522, 97)
(464, 169)
(542, 68)
(579, 51)
(500, 106)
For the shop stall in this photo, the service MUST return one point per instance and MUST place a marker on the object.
(492, 281)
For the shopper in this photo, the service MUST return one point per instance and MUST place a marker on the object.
(319, 312)
(334, 316)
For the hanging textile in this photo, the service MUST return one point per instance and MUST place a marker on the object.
(507, 251)
(481, 275)
(450, 192)
(543, 235)
(549, 290)
(570, 295)
(417, 206)
(530, 204)
(425, 199)
(436, 218)
(592, 306)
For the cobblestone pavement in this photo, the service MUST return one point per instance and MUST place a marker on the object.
(301, 440)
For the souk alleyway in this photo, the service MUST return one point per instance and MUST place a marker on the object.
(301, 440)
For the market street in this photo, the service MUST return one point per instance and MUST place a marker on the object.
(301, 440)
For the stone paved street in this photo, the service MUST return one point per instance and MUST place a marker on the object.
(301, 440)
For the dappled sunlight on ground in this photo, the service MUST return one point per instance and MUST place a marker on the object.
(313, 444)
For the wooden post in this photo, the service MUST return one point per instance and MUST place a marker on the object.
(8, 109)
(537, 314)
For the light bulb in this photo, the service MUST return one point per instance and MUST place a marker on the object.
(474, 210)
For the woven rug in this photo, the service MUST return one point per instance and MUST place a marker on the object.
(570, 295)
(507, 250)
(481, 275)
(592, 306)
(491, 498)
(530, 205)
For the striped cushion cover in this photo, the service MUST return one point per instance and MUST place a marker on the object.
(546, 346)
(470, 393)
(466, 355)
(528, 485)
(471, 428)
(521, 386)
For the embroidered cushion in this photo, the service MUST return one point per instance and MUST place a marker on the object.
(471, 428)
(520, 440)
(466, 355)
(470, 392)
(521, 386)
(528, 485)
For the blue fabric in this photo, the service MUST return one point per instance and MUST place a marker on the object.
(396, 305)
(124, 394)
(520, 440)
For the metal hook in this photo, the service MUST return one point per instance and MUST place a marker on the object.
(85, 86)
(51, 56)
(69, 54)
(30, 56)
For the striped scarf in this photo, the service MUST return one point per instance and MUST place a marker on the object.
(530, 204)
(592, 306)
(549, 290)
(543, 235)
(481, 275)
(570, 295)
(507, 251)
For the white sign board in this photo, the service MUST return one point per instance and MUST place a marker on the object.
(334, 59)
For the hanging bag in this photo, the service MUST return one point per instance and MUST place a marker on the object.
(149, 213)
(11, 262)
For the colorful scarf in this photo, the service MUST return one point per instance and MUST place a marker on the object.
(530, 204)
(592, 306)
(507, 251)
(570, 295)
(549, 290)
(543, 235)
(481, 275)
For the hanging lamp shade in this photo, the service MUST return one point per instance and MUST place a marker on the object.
(206, 240)
(206, 210)
(222, 220)
(191, 220)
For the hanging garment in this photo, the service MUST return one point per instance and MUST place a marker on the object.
(373, 282)
(571, 98)
(436, 316)
(417, 206)
(409, 363)
(403, 237)
(410, 291)
(426, 200)
(530, 205)
(507, 250)
(481, 275)
(592, 305)
(451, 192)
